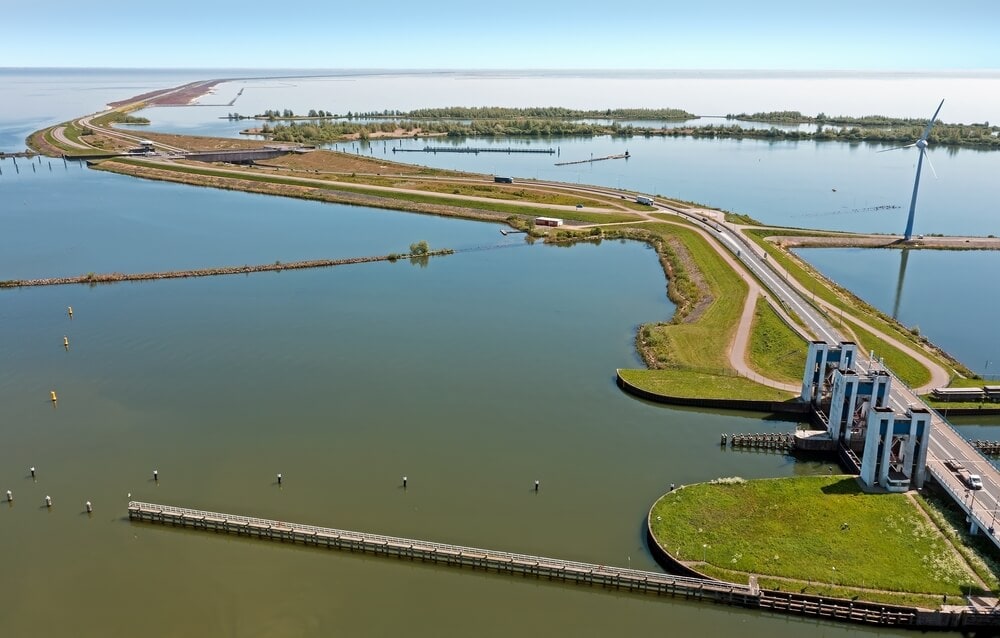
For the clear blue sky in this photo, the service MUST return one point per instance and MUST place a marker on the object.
(640, 34)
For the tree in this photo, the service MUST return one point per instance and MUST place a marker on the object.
(419, 248)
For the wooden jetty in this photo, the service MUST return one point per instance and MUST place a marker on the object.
(624, 155)
(27, 154)
(618, 578)
(472, 149)
(608, 577)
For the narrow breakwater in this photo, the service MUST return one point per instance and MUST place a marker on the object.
(115, 277)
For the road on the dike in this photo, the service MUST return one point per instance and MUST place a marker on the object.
(945, 442)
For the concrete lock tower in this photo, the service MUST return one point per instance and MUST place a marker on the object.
(821, 360)
(855, 409)
(895, 456)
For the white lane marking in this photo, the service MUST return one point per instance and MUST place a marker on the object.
(780, 289)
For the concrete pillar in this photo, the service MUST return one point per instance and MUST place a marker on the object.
(877, 426)
(880, 389)
(923, 427)
(812, 377)
(845, 386)
(848, 355)
(885, 426)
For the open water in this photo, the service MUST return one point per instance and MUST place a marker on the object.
(473, 375)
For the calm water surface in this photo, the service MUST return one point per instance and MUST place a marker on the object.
(945, 294)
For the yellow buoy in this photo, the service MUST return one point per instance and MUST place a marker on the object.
(70, 311)
(66, 342)
(54, 399)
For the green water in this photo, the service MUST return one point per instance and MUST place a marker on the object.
(473, 376)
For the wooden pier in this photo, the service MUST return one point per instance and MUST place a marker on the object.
(472, 149)
(624, 155)
(608, 577)
(633, 580)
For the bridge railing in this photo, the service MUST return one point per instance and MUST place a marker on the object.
(636, 574)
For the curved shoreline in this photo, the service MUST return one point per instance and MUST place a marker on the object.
(749, 405)
(852, 610)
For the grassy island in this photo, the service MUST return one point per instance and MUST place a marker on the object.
(819, 535)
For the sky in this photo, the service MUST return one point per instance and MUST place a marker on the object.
(509, 34)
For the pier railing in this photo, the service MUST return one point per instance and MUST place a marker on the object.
(610, 577)
(428, 551)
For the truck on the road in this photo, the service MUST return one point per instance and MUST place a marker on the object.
(971, 481)
(642, 199)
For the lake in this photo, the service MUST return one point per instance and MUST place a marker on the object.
(473, 376)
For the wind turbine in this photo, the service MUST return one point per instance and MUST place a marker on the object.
(921, 144)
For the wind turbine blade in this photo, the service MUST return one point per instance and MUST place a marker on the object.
(928, 156)
(895, 148)
(927, 131)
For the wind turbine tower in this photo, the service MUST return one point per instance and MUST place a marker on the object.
(921, 145)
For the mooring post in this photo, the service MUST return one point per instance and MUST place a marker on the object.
(90, 508)
(48, 501)
(404, 482)
(279, 478)
(32, 470)
(536, 486)
(156, 476)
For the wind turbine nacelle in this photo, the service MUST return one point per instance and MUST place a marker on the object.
(921, 144)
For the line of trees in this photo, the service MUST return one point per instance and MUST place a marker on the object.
(543, 112)
(796, 117)
(972, 135)
(320, 131)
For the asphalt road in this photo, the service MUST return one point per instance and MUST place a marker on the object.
(946, 443)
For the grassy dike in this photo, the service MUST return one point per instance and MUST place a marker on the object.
(820, 535)
(687, 356)
(822, 288)
(774, 346)
(331, 191)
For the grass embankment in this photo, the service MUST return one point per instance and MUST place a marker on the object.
(121, 116)
(233, 177)
(909, 370)
(346, 163)
(775, 350)
(837, 296)
(699, 335)
(516, 193)
(817, 535)
(688, 355)
(691, 384)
